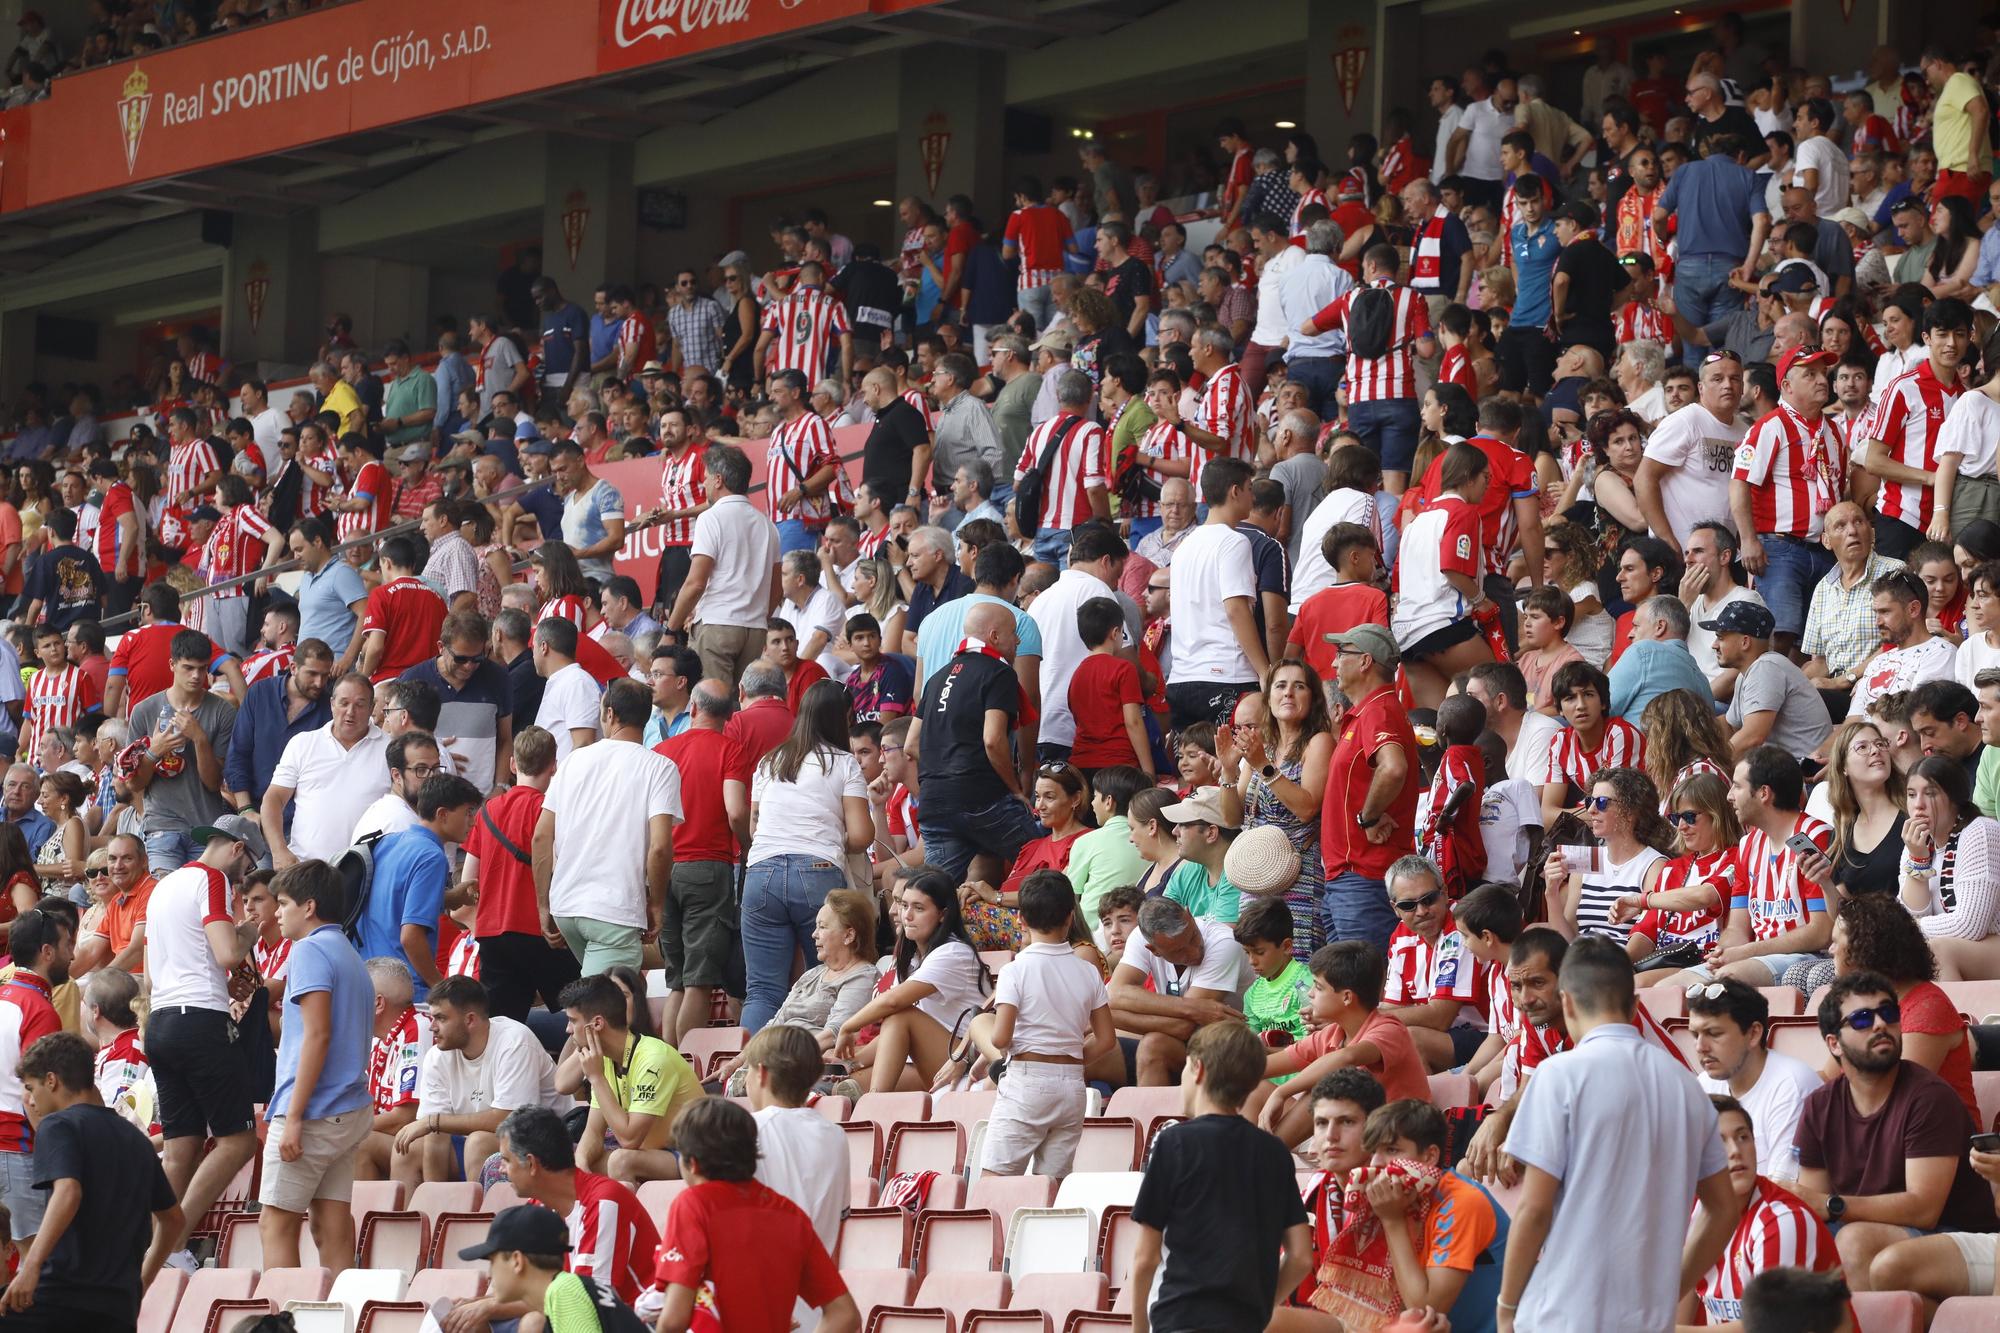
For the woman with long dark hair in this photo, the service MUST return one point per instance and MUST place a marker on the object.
(1951, 869)
(808, 810)
(1956, 254)
(939, 984)
(1275, 773)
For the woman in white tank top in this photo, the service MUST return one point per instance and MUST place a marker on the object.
(1623, 810)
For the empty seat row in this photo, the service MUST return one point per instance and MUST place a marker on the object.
(213, 1298)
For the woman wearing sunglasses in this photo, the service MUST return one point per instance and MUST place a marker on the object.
(1684, 904)
(93, 931)
(1951, 870)
(1623, 811)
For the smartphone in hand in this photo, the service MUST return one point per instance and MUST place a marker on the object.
(1800, 845)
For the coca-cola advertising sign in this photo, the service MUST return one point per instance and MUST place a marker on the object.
(641, 32)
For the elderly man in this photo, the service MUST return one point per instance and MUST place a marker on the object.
(1316, 359)
(1641, 370)
(337, 396)
(17, 798)
(964, 430)
(1177, 515)
(1372, 799)
(1841, 633)
(1177, 975)
(1658, 660)
(934, 578)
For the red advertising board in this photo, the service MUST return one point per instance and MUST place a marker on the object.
(639, 482)
(645, 32)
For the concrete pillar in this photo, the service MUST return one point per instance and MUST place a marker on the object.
(271, 315)
(590, 214)
(1346, 49)
(1825, 40)
(17, 352)
(952, 105)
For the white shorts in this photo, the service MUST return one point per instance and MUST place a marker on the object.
(1038, 1115)
(1977, 1249)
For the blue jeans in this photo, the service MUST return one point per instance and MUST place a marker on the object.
(954, 835)
(782, 896)
(795, 534)
(169, 850)
(1320, 377)
(1357, 908)
(1040, 303)
(1794, 566)
(1052, 545)
(1389, 426)
(1702, 293)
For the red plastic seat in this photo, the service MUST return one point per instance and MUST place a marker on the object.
(156, 1310)
(396, 1317)
(453, 1232)
(279, 1285)
(1083, 1321)
(873, 1288)
(961, 1240)
(936, 1145)
(876, 1238)
(1153, 1131)
(1004, 1321)
(226, 1315)
(1117, 1241)
(1107, 1144)
(864, 1148)
(238, 1243)
(907, 1319)
(1002, 1195)
(400, 1240)
(700, 1047)
(1888, 1311)
(204, 1288)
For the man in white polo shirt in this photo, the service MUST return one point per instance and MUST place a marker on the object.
(336, 771)
(732, 568)
(193, 942)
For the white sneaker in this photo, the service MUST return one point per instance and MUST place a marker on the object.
(184, 1260)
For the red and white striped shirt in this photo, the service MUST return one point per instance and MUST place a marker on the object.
(1769, 885)
(1797, 470)
(1082, 461)
(920, 400)
(188, 463)
(57, 699)
(271, 960)
(1621, 746)
(1699, 925)
(808, 323)
(1224, 410)
(681, 477)
(1537, 1043)
(1636, 320)
(396, 1061)
(611, 1237)
(1039, 232)
(799, 448)
(1163, 439)
(1907, 419)
(1632, 226)
(236, 547)
(1776, 1230)
(313, 494)
(372, 484)
(1394, 375)
(637, 343)
(1421, 971)
(1456, 368)
(568, 607)
(268, 663)
(1313, 196)
(464, 960)
(205, 366)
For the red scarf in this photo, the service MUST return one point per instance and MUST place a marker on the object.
(972, 645)
(1427, 256)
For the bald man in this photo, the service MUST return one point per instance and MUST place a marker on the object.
(897, 456)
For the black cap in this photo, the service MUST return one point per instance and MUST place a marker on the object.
(1794, 279)
(204, 513)
(526, 1228)
(1581, 213)
(1743, 617)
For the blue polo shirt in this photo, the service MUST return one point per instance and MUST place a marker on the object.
(411, 870)
(603, 337)
(1535, 255)
(324, 599)
(324, 962)
(1714, 203)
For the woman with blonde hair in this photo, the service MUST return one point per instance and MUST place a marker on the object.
(1684, 906)
(1683, 737)
(739, 329)
(1866, 806)
(826, 995)
(875, 594)
(1569, 561)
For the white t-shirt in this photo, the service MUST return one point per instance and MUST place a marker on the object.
(803, 1156)
(1054, 613)
(1823, 155)
(743, 543)
(1698, 452)
(1972, 430)
(512, 1072)
(1974, 656)
(1312, 573)
(180, 965)
(1592, 635)
(1529, 759)
(804, 818)
(1896, 669)
(389, 814)
(956, 971)
(1507, 810)
(571, 698)
(1212, 565)
(335, 785)
(1488, 124)
(1448, 125)
(1224, 967)
(822, 612)
(1774, 1104)
(1701, 642)
(603, 797)
(1054, 993)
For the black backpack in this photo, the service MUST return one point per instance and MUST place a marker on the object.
(1028, 487)
(357, 872)
(1371, 323)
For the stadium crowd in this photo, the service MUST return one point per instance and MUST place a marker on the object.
(1533, 556)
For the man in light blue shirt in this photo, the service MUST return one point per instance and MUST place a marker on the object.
(331, 597)
(995, 578)
(1657, 660)
(453, 375)
(1720, 219)
(406, 894)
(1315, 360)
(593, 512)
(1527, 357)
(321, 1110)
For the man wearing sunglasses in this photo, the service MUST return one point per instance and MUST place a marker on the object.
(475, 701)
(1882, 1148)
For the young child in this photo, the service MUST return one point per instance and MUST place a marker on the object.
(1105, 697)
(1450, 832)
(1052, 1017)
(1489, 920)
(734, 1253)
(524, 1249)
(1945, 614)
(1203, 831)
(1220, 1196)
(1349, 1029)
(59, 691)
(893, 799)
(1117, 918)
(1194, 755)
(1275, 1003)
(1454, 330)
(1105, 858)
(1547, 614)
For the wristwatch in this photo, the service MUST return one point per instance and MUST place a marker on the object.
(1362, 821)
(1836, 1207)
(1269, 771)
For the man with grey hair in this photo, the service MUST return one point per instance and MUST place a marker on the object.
(971, 497)
(1315, 360)
(402, 1040)
(1300, 470)
(963, 431)
(1177, 326)
(809, 607)
(1641, 371)
(337, 396)
(1072, 453)
(1556, 136)
(932, 578)
(1178, 974)
(1013, 410)
(1658, 660)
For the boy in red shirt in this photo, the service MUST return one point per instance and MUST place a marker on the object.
(734, 1253)
(1451, 837)
(1104, 695)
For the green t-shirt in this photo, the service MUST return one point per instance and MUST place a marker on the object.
(568, 1307)
(1100, 861)
(1190, 888)
(655, 1080)
(1986, 788)
(1278, 1003)
(415, 392)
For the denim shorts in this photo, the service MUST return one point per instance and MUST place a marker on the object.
(17, 1189)
(795, 534)
(1389, 426)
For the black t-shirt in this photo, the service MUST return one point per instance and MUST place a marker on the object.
(526, 684)
(1594, 278)
(1267, 559)
(885, 460)
(1127, 283)
(95, 1266)
(69, 584)
(872, 292)
(952, 765)
(1223, 1193)
(1733, 120)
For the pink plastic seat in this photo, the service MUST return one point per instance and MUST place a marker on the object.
(959, 1292)
(1451, 1090)
(906, 1319)
(392, 1317)
(875, 1238)
(1061, 1293)
(1002, 1195)
(935, 1145)
(457, 1284)
(964, 1240)
(206, 1287)
(873, 1288)
(1888, 1311)
(965, 1108)
(499, 1197)
(1107, 1144)
(1117, 1242)
(656, 1196)
(454, 1232)
(700, 1047)
(1960, 1314)
(156, 1311)
(279, 1285)
(1145, 1105)
(886, 1108)
(864, 1148)
(1986, 1087)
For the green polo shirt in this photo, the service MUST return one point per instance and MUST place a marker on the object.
(1190, 888)
(1102, 860)
(415, 392)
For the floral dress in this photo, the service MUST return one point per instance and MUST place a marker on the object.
(1262, 806)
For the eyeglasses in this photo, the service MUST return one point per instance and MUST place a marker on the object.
(1889, 1012)
(1684, 818)
(1158, 587)
(424, 770)
(891, 749)
(396, 709)
(1408, 905)
(1706, 990)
